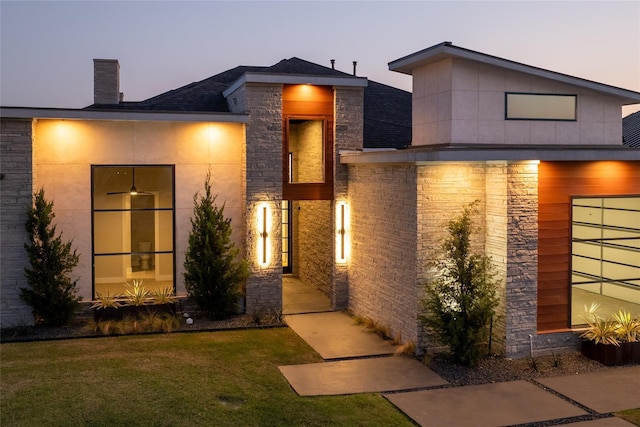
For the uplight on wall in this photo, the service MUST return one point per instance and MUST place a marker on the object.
(342, 232)
(263, 230)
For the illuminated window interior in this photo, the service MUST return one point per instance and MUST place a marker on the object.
(530, 106)
(286, 237)
(605, 256)
(133, 218)
(306, 151)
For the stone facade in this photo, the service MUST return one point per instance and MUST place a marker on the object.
(16, 189)
(349, 129)
(263, 187)
(399, 213)
(383, 266)
(522, 257)
(313, 236)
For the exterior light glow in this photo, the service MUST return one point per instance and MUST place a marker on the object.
(342, 235)
(263, 232)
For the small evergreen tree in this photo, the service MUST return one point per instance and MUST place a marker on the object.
(461, 299)
(213, 275)
(52, 293)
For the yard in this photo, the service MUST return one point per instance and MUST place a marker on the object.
(224, 378)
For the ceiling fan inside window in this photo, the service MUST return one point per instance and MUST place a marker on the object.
(133, 190)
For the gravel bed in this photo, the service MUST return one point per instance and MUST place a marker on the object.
(498, 369)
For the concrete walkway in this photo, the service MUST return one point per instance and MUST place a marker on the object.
(359, 361)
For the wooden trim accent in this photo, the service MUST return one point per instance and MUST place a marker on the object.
(308, 102)
(557, 183)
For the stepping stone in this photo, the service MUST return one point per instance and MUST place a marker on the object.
(497, 404)
(612, 390)
(335, 336)
(603, 422)
(378, 374)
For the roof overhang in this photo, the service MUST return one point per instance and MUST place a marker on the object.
(296, 79)
(418, 155)
(120, 115)
(445, 50)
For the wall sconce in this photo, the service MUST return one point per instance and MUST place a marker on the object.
(263, 232)
(342, 238)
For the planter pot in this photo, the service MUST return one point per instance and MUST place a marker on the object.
(133, 311)
(611, 355)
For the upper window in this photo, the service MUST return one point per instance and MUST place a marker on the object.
(531, 106)
(605, 256)
(306, 150)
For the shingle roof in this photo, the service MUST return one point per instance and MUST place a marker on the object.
(631, 130)
(387, 110)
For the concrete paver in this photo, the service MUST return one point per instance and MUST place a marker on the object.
(606, 391)
(334, 336)
(604, 422)
(378, 374)
(300, 297)
(498, 404)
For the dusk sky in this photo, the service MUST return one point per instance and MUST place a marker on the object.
(47, 48)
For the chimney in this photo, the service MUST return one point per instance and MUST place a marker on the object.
(106, 81)
(355, 63)
(333, 64)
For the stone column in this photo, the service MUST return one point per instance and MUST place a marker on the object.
(16, 187)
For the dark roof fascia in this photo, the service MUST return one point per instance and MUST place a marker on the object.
(276, 78)
(408, 63)
(418, 155)
(120, 115)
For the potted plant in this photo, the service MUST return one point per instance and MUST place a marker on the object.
(612, 341)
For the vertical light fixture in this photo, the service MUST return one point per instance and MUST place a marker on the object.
(263, 231)
(342, 216)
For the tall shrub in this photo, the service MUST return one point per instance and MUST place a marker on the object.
(51, 293)
(213, 274)
(460, 298)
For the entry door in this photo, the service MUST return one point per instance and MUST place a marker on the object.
(287, 234)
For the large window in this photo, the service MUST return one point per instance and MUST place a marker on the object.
(532, 106)
(605, 258)
(133, 223)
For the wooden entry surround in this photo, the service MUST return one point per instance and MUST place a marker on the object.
(557, 182)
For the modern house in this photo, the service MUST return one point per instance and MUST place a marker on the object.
(345, 183)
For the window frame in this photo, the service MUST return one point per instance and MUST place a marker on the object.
(605, 242)
(309, 190)
(172, 209)
(544, 119)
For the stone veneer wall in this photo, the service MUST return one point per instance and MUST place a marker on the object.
(522, 257)
(16, 189)
(382, 269)
(263, 158)
(496, 220)
(313, 231)
(442, 191)
(349, 129)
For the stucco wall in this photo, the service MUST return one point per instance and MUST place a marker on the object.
(462, 101)
(15, 188)
(65, 150)
(382, 268)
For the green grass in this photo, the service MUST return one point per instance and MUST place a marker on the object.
(632, 415)
(226, 378)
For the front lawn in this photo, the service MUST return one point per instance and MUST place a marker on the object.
(226, 378)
